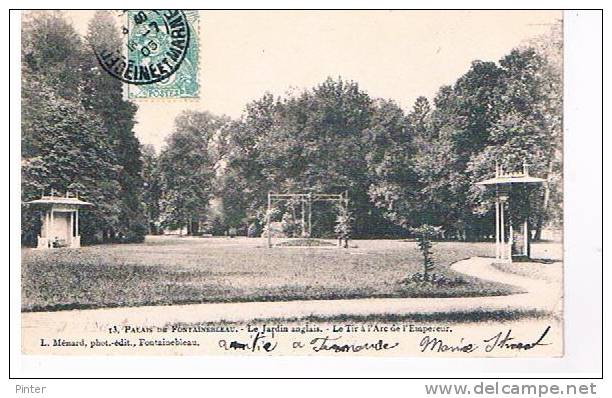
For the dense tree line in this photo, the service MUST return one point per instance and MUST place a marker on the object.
(77, 130)
(400, 169)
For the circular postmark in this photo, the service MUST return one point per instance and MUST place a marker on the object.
(155, 46)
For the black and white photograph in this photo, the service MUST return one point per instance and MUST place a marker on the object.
(280, 183)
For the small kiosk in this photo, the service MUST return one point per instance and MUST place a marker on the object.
(59, 220)
(515, 244)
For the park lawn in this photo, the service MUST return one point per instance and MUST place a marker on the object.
(172, 270)
(476, 315)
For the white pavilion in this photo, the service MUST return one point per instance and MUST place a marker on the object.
(515, 245)
(59, 220)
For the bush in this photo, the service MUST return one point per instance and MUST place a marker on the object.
(254, 230)
(290, 227)
(132, 237)
(134, 234)
(436, 279)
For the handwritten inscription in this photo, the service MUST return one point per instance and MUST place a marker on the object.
(311, 339)
(510, 343)
(332, 344)
(500, 341)
(257, 343)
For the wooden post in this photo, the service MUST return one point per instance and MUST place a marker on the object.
(76, 224)
(268, 232)
(510, 241)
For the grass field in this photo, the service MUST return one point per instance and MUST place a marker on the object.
(475, 316)
(172, 270)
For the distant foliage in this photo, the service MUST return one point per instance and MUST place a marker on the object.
(509, 112)
(317, 140)
(290, 227)
(187, 171)
(152, 192)
(401, 169)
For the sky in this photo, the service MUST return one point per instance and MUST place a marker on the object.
(397, 55)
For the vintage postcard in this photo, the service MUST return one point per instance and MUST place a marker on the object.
(292, 183)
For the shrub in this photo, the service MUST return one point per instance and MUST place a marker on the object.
(436, 279)
(424, 234)
(232, 231)
(253, 231)
(290, 227)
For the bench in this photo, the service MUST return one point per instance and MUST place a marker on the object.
(59, 243)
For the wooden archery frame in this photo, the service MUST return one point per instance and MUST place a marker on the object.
(306, 200)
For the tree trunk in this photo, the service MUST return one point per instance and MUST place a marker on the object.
(195, 227)
(537, 236)
(540, 221)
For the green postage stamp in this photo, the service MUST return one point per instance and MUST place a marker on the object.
(169, 40)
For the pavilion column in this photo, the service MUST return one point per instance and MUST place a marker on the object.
(346, 210)
(526, 238)
(52, 221)
(47, 221)
(310, 215)
(510, 241)
(76, 224)
(497, 243)
(503, 232)
(43, 241)
(268, 232)
(47, 227)
(303, 219)
(71, 227)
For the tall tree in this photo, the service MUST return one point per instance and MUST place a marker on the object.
(152, 187)
(315, 143)
(64, 145)
(318, 140)
(103, 94)
(51, 52)
(510, 112)
(529, 131)
(391, 162)
(187, 168)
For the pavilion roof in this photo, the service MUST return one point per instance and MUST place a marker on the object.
(512, 178)
(59, 200)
